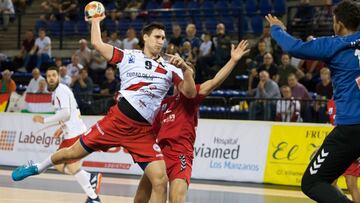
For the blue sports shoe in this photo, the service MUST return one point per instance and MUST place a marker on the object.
(24, 171)
(89, 200)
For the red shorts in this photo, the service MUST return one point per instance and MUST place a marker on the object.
(178, 166)
(353, 170)
(68, 143)
(115, 130)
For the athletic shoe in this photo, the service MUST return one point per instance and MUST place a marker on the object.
(95, 181)
(89, 200)
(24, 171)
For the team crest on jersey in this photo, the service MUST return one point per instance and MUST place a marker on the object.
(132, 59)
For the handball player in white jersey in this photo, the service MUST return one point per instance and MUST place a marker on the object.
(68, 116)
(145, 79)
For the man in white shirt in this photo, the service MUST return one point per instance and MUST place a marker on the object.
(43, 47)
(130, 42)
(74, 67)
(64, 77)
(288, 109)
(33, 86)
(205, 47)
(6, 10)
(68, 116)
(84, 53)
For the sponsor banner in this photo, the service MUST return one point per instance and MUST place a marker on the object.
(291, 148)
(4, 97)
(22, 140)
(38, 103)
(231, 150)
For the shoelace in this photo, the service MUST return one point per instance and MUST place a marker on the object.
(30, 163)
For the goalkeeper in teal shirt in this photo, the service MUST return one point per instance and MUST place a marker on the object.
(342, 55)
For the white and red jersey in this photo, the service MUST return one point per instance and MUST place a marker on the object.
(63, 97)
(144, 81)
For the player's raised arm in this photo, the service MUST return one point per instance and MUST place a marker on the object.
(317, 49)
(106, 50)
(236, 53)
(186, 86)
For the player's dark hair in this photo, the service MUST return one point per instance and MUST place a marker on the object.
(53, 68)
(147, 29)
(348, 12)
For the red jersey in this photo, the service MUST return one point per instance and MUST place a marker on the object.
(176, 122)
(331, 111)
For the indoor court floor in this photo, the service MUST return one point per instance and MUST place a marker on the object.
(57, 188)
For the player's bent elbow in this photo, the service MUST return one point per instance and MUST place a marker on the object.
(190, 94)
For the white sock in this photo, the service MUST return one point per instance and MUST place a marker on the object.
(83, 178)
(47, 163)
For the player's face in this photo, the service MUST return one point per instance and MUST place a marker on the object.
(52, 79)
(155, 41)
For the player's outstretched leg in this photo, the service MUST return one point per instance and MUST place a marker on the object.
(75, 152)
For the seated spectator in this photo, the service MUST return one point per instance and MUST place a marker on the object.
(176, 37)
(132, 8)
(266, 89)
(42, 48)
(82, 84)
(205, 47)
(191, 37)
(287, 110)
(26, 46)
(105, 36)
(114, 40)
(69, 10)
(270, 67)
(253, 81)
(33, 86)
(6, 11)
(97, 66)
(111, 85)
(74, 67)
(50, 6)
(58, 62)
(285, 69)
(172, 49)
(84, 53)
(324, 91)
(82, 87)
(7, 85)
(298, 91)
(130, 42)
(42, 88)
(259, 53)
(186, 53)
(64, 77)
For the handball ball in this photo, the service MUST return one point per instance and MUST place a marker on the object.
(94, 9)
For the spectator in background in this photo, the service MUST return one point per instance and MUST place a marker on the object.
(288, 109)
(172, 49)
(298, 91)
(324, 91)
(285, 69)
(222, 44)
(270, 67)
(82, 84)
(97, 66)
(114, 40)
(42, 48)
(130, 42)
(84, 53)
(58, 62)
(266, 89)
(191, 37)
(205, 47)
(42, 87)
(186, 53)
(270, 43)
(27, 45)
(176, 37)
(33, 85)
(64, 77)
(258, 55)
(133, 8)
(20, 5)
(6, 11)
(111, 85)
(7, 85)
(69, 9)
(105, 36)
(74, 67)
(253, 81)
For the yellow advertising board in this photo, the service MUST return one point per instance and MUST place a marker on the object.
(290, 150)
